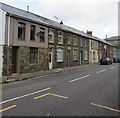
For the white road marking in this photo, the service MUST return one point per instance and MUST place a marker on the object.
(24, 96)
(79, 78)
(98, 72)
(112, 67)
(101, 71)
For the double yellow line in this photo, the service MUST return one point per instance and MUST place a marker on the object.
(13, 106)
(105, 107)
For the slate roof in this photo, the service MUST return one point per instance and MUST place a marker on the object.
(34, 17)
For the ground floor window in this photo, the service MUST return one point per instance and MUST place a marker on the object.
(85, 55)
(33, 55)
(60, 55)
(75, 54)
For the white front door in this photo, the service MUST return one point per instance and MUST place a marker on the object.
(50, 59)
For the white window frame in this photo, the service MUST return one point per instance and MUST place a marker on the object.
(51, 33)
(60, 37)
(75, 40)
(59, 54)
(74, 54)
(69, 41)
(85, 55)
(85, 43)
(105, 46)
(81, 42)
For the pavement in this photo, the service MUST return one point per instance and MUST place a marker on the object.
(21, 77)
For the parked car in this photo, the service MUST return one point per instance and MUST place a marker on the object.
(105, 61)
(116, 60)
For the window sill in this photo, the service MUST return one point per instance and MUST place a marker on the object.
(21, 39)
(60, 43)
(59, 61)
(33, 64)
(51, 41)
(74, 60)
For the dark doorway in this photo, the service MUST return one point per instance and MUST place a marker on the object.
(81, 57)
(14, 59)
(68, 58)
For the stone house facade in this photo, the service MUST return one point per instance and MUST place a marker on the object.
(65, 49)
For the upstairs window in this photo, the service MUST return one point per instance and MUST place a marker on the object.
(91, 44)
(42, 35)
(75, 40)
(69, 41)
(50, 36)
(81, 42)
(21, 31)
(85, 43)
(32, 33)
(60, 38)
(100, 46)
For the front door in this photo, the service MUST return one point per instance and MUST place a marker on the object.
(14, 59)
(81, 57)
(51, 58)
(68, 58)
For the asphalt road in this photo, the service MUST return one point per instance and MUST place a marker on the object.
(92, 91)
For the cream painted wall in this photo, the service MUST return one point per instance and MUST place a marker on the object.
(2, 27)
(93, 49)
(2, 40)
(1, 61)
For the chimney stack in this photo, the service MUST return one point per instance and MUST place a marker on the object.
(89, 32)
(61, 22)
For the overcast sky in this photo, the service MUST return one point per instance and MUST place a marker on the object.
(99, 16)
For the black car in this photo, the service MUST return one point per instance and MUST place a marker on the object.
(105, 61)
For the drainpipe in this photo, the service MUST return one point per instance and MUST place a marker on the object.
(8, 47)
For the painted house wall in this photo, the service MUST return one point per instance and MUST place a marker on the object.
(2, 27)
(23, 48)
(14, 41)
(1, 61)
(2, 40)
(93, 51)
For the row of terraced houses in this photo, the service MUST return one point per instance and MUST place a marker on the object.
(31, 43)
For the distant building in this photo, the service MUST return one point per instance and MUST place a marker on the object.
(115, 40)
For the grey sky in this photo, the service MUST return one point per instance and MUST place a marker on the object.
(99, 16)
